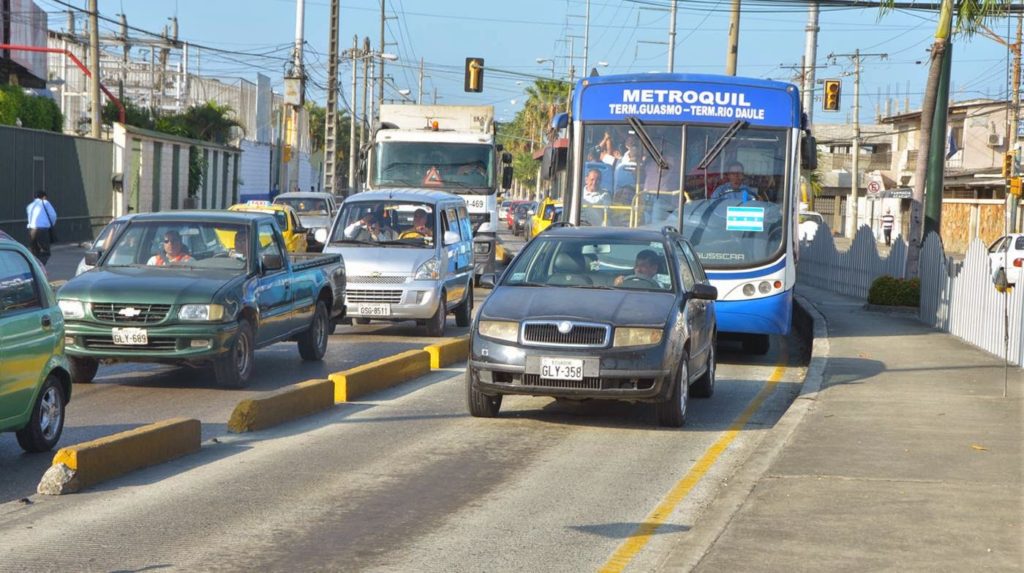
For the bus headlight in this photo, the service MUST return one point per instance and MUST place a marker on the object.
(748, 289)
(764, 287)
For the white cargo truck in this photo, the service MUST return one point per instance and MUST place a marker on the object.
(444, 148)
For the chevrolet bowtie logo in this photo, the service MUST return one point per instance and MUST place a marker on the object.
(129, 312)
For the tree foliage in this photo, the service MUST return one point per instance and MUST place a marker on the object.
(964, 17)
(528, 132)
(33, 111)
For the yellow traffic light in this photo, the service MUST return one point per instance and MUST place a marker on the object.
(832, 92)
(474, 75)
(1008, 165)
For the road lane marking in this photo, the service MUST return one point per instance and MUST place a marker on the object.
(633, 544)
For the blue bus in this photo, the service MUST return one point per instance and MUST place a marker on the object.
(716, 157)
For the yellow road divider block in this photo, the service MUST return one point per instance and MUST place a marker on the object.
(287, 404)
(384, 373)
(82, 465)
(448, 352)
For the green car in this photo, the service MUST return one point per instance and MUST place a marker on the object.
(35, 381)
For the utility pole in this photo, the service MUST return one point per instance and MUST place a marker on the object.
(94, 65)
(331, 116)
(380, 86)
(851, 206)
(810, 61)
(1011, 200)
(419, 94)
(124, 58)
(352, 167)
(734, 39)
(298, 76)
(363, 123)
(672, 37)
(586, 42)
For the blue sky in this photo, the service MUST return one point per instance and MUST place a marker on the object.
(511, 35)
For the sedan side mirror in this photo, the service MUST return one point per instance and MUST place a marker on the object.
(704, 292)
(487, 280)
(92, 257)
(272, 262)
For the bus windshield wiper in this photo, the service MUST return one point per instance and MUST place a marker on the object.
(645, 140)
(720, 144)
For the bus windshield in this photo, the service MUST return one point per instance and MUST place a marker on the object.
(730, 180)
(456, 167)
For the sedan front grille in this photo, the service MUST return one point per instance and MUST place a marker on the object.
(390, 296)
(588, 383)
(107, 343)
(119, 313)
(550, 333)
(376, 280)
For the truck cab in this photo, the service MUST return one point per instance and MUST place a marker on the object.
(444, 148)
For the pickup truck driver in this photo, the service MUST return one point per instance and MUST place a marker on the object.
(174, 252)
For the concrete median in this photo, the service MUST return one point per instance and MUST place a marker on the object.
(385, 373)
(448, 352)
(86, 464)
(287, 404)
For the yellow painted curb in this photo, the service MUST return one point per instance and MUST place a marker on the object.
(384, 373)
(289, 403)
(112, 456)
(448, 352)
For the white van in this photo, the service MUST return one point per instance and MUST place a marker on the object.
(409, 256)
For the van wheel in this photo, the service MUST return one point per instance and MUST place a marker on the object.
(47, 421)
(313, 342)
(83, 370)
(436, 324)
(234, 368)
(480, 404)
(464, 314)
(672, 412)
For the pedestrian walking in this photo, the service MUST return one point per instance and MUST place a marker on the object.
(41, 219)
(887, 223)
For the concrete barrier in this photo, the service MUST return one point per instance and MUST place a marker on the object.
(82, 465)
(385, 373)
(287, 404)
(448, 352)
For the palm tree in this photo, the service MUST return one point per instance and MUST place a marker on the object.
(962, 17)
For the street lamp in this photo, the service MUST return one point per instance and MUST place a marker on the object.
(545, 60)
(355, 55)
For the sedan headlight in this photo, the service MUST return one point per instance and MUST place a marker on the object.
(427, 271)
(71, 309)
(206, 312)
(637, 336)
(499, 329)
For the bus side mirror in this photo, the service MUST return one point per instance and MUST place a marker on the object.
(506, 177)
(560, 121)
(809, 152)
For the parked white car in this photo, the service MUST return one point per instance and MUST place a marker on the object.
(1007, 253)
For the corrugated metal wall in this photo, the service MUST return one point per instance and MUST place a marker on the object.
(74, 171)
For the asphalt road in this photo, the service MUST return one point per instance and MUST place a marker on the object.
(404, 480)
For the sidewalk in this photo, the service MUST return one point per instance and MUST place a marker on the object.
(908, 458)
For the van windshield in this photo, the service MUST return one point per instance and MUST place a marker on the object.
(362, 223)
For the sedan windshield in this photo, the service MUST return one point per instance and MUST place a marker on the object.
(189, 245)
(592, 263)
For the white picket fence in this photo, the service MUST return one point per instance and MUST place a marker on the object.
(957, 297)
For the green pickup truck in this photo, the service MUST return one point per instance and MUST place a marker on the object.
(199, 288)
